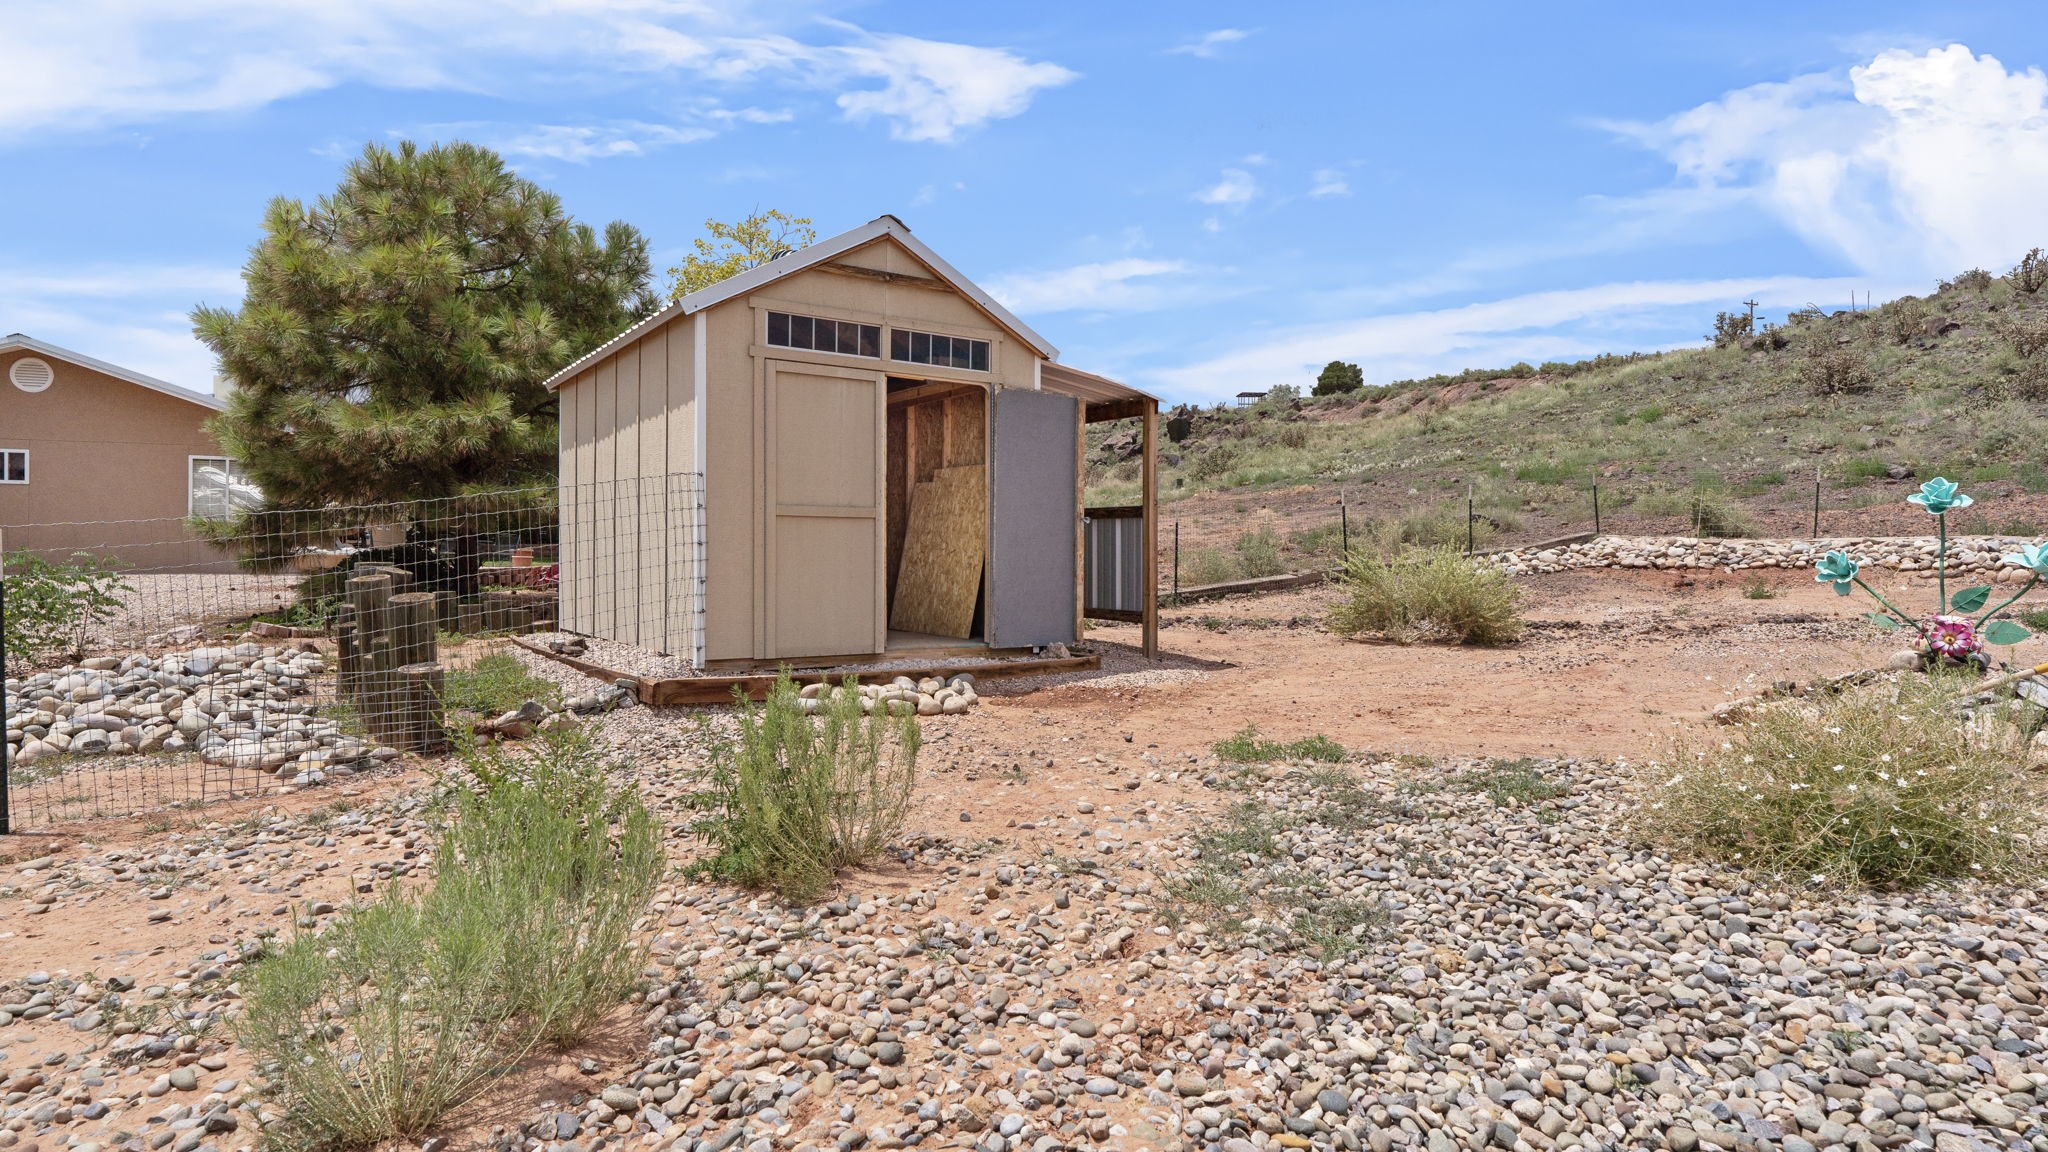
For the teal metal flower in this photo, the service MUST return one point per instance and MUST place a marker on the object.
(2033, 557)
(1939, 496)
(1836, 568)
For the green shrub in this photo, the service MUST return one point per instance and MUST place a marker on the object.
(53, 608)
(1714, 514)
(2030, 273)
(1428, 594)
(1245, 747)
(1508, 782)
(1826, 368)
(405, 1008)
(1258, 554)
(1883, 785)
(376, 1028)
(1201, 566)
(497, 682)
(794, 798)
(548, 836)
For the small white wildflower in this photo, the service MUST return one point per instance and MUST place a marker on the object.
(1886, 758)
(1839, 767)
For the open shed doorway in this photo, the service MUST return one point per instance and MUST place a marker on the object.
(937, 513)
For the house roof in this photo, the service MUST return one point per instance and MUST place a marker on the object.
(15, 341)
(810, 257)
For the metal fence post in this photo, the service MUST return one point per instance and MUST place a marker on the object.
(1344, 527)
(1176, 563)
(1816, 501)
(1468, 519)
(1596, 506)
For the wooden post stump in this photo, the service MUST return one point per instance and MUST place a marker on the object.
(412, 628)
(426, 724)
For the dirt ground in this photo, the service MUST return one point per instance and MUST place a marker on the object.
(1612, 663)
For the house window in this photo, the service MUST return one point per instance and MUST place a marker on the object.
(820, 334)
(13, 465)
(219, 488)
(943, 351)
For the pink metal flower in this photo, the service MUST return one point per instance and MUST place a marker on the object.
(1954, 637)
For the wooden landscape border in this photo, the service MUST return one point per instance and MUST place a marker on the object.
(719, 689)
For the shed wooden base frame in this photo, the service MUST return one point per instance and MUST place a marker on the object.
(719, 689)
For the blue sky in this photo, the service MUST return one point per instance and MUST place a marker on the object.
(1197, 198)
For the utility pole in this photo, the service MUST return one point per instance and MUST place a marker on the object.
(1752, 314)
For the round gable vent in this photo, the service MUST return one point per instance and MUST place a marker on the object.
(30, 374)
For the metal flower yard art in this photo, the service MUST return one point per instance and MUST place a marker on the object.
(1951, 631)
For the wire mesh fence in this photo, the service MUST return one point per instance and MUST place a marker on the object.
(1306, 529)
(158, 663)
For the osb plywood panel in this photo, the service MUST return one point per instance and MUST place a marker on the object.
(942, 554)
(898, 464)
(966, 430)
(928, 441)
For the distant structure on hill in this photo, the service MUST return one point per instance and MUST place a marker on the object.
(1247, 399)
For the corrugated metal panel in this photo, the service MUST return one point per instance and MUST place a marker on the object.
(1114, 572)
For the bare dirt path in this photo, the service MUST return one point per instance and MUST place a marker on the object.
(1610, 661)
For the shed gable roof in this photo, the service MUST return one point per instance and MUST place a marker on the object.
(760, 276)
(16, 342)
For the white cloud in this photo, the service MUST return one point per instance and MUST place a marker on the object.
(570, 143)
(1329, 182)
(1560, 324)
(1111, 285)
(1911, 164)
(134, 316)
(1235, 190)
(1210, 44)
(932, 90)
(85, 64)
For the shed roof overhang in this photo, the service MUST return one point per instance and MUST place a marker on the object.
(813, 256)
(1101, 398)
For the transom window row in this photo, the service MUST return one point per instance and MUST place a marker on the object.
(819, 334)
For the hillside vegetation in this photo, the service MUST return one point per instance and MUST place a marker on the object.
(1723, 440)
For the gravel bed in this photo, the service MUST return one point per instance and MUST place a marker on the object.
(1408, 963)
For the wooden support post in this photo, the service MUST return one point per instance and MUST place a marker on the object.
(518, 619)
(425, 727)
(350, 662)
(412, 629)
(370, 596)
(448, 611)
(1151, 502)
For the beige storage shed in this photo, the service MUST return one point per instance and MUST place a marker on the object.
(849, 451)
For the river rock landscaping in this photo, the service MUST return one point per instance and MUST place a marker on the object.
(245, 707)
(1981, 555)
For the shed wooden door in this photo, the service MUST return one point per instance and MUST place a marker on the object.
(824, 533)
(1031, 594)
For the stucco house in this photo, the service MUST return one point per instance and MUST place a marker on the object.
(880, 458)
(101, 458)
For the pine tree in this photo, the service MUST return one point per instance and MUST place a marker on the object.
(1337, 377)
(393, 339)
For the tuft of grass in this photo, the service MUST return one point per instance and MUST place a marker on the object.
(494, 684)
(1245, 747)
(408, 1006)
(548, 834)
(794, 799)
(1511, 782)
(1428, 594)
(1883, 785)
(1758, 588)
(2036, 620)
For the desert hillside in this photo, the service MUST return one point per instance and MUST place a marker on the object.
(1725, 440)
